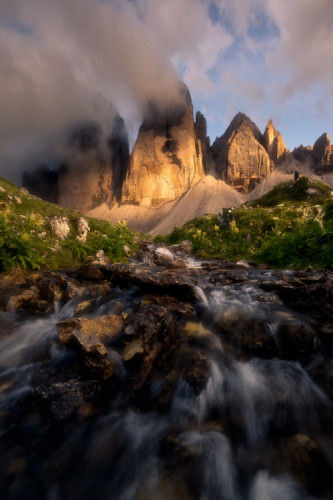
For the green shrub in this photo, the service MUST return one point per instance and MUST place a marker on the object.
(17, 251)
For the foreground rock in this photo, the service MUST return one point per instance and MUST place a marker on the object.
(105, 328)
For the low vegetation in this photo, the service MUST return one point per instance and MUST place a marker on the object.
(29, 238)
(292, 225)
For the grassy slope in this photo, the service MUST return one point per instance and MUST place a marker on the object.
(290, 225)
(27, 240)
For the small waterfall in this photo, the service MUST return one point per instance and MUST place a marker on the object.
(229, 412)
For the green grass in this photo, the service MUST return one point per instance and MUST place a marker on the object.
(27, 240)
(292, 225)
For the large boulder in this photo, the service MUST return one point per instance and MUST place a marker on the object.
(105, 328)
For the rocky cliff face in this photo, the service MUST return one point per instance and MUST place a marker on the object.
(92, 173)
(239, 155)
(167, 158)
(42, 182)
(318, 157)
(96, 169)
(200, 128)
(323, 155)
(274, 144)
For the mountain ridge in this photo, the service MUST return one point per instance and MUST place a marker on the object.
(171, 155)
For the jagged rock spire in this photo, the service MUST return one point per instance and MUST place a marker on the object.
(167, 158)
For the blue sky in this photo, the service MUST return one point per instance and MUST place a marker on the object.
(64, 62)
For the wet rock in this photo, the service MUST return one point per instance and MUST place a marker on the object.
(294, 339)
(134, 353)
(7, 324)
(302, 457)
(91, 272)
(176, 306)
(183, 247)
(72, 288)
(93, 354)
(62, 400)
(246, 332)
(105, 328)
(30, 301)
(171, 282)
(308, 292)
(99, 289)
(197, 371)
(163, 252)
(85, 307)
(177, 264)
(151, 322)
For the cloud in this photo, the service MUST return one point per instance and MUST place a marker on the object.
(65, 62)
(305, 50)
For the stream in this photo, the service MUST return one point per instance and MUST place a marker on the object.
(216, 383)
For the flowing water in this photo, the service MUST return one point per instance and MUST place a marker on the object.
(236, 439)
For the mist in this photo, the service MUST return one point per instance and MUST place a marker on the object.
(71, 63)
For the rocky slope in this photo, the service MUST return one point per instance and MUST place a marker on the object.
(208, 195)
(239, 155)
(167, 158)
(35, 234)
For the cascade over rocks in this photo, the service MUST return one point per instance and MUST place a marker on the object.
(167, 157)
(239, 155)
(222, 360)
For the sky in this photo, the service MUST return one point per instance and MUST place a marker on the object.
(64, 62)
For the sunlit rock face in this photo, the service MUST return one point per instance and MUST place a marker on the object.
(323, 155)
(95, 169)
(239, 155)
(274, 144)
(167, 158)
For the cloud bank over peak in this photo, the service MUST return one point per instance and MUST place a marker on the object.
(64, 63)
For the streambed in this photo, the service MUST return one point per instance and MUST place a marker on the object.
(204, 380)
